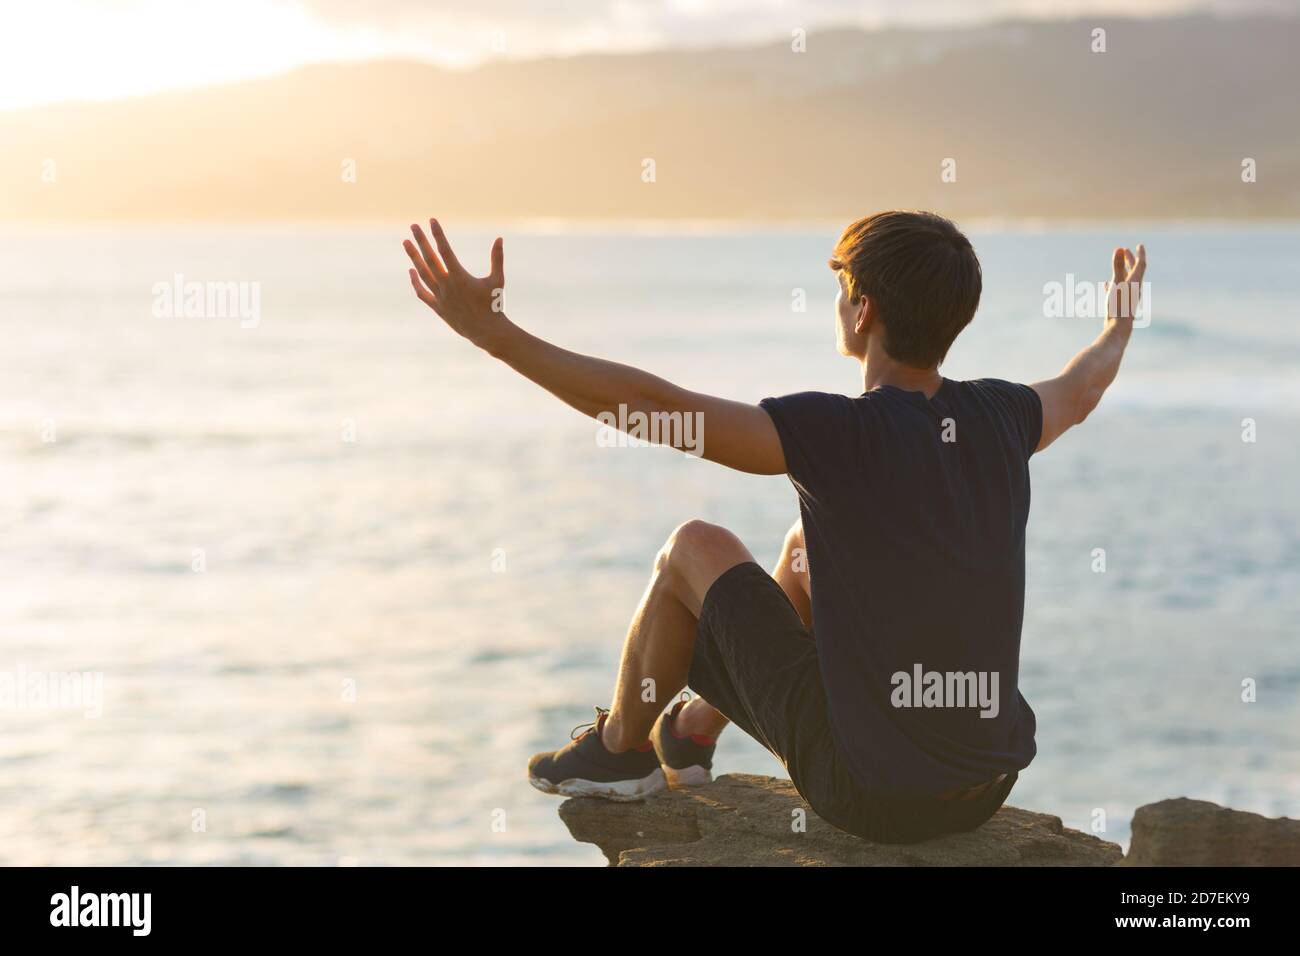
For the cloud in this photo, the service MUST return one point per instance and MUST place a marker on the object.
(125, 47)
(451, 29)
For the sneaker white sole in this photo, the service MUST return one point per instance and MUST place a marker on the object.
(620, 791)
(696, 776)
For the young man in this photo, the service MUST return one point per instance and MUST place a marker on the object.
(882, 670)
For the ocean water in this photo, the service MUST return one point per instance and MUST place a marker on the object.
(342, 575)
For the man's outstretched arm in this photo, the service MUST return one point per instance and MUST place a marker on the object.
(739, 435)
(1071, 396)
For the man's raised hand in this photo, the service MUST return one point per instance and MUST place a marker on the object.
(471, 305)
(1125, 287)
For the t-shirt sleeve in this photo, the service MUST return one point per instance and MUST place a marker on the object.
(820, 437)
(1024, 410)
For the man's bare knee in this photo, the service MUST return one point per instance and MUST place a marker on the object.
(697, 541)
(696, 554)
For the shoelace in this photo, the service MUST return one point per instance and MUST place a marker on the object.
(589, 726)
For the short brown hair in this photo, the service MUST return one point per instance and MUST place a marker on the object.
(921, 273)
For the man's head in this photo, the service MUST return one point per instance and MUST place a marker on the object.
(909, 282)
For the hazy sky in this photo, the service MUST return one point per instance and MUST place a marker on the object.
(77, 49)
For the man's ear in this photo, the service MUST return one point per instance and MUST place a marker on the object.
(865, 316)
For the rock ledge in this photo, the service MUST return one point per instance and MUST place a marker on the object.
(745, 820)
(1186, 832)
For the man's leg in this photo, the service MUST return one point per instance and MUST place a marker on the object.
(791, 572)
(661, 638)
(615, 758)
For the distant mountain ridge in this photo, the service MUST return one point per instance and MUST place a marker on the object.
(1038, 126)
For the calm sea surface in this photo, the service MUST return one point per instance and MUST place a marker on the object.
(384, 629)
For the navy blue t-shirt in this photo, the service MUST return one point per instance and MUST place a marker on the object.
(914, 514)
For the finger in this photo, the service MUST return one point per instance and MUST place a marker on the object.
(1128, 277)
(1139, 268)
(498, 274)
(436, 267)
(1117, 268)
(444, 247)
(421, 266)
(427, 297)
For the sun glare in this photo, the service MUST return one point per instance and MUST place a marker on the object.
(65, 49)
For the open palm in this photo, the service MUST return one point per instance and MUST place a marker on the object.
(471, 305)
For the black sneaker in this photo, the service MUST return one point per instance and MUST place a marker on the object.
(584, 768)
(687, 760)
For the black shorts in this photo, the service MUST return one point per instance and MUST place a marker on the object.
(757, 664)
